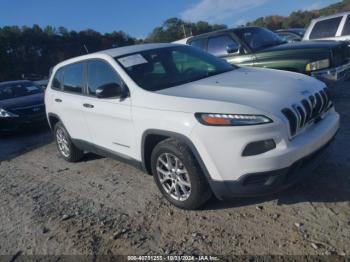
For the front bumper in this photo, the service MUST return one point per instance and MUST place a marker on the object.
(332, 75)
(231, 174)
(271, 182)
(14, 123)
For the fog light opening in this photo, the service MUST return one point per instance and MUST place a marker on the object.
(259, 147)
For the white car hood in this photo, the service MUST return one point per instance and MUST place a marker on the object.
(263, 89)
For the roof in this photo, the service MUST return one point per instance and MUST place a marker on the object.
(182, 41)
(237, 29)
(132, 49)
(114, 52)
(331, 16)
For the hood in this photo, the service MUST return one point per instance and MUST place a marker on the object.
(23, 101)
(327, 45)
(263, 89)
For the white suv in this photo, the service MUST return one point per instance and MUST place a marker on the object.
(196, 123)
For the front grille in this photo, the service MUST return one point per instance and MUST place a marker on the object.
(340, 55)
(306, 111)
(29, 110)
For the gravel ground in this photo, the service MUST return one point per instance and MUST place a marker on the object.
(102, 206)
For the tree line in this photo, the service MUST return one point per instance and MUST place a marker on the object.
(30, 52)
(299, 19)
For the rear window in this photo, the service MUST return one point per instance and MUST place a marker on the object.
(73, 78)
(346, 29)
(326, 28)
(57, 80)
(199, 43)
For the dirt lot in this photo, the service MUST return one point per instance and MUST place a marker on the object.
(101, 206)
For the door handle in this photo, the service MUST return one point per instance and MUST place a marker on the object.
(88, 105)
(58, 100)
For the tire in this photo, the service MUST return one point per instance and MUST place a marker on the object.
(188, 179)
(66, 148)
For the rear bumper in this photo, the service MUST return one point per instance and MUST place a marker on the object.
(264, 183)
(332, 75)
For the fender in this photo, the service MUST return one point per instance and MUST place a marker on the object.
(184, 139)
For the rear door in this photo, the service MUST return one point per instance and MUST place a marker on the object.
(67, 95)
(109, 119)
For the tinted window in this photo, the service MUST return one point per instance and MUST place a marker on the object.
(289, 36)
(326, 28)
(346, 29)
(199, 43)
(166, 67)
(13, 90)
(100, 75)
(259, 38)
(217, 45)
(56, 82)
(73, 78)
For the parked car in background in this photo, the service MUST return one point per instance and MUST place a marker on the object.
(255, 46)
(21, 105)
(291, 34)
(196, 123)
(333, 27)
(42, 83)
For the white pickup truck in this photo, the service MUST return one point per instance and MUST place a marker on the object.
(333, 27)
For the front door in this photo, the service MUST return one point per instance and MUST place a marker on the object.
(109, 119)
(221, 46)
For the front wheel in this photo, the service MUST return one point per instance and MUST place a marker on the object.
(65, 145)
(178, 175)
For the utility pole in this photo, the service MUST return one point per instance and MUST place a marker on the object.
(86, 50)
(183, 28)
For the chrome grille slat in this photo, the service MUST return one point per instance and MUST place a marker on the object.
(307, 110)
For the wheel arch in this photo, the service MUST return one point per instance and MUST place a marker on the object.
(151, 137)
(53, 119)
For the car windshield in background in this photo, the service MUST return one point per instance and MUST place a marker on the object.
(260, 38)
(18, 90)
(162, 68)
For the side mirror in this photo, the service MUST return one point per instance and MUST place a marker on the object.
(233, 49)
(112, 90)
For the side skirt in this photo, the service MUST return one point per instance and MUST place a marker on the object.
(101, 151)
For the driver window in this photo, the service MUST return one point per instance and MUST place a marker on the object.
(218, 45)
(99, 75)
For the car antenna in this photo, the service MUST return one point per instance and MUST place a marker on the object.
(86, 49)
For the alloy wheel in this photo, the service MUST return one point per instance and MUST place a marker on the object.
(173, 176)
(62, 142)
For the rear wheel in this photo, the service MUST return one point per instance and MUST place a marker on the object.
(178, 176)
(65, 146)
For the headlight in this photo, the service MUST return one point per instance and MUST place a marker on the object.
(212, 119)
(317, 65)
(4, 113)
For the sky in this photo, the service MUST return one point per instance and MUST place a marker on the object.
(139, 17)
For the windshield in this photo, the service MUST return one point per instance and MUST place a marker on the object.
(8, 91)
(260, 38)
(162, 68)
